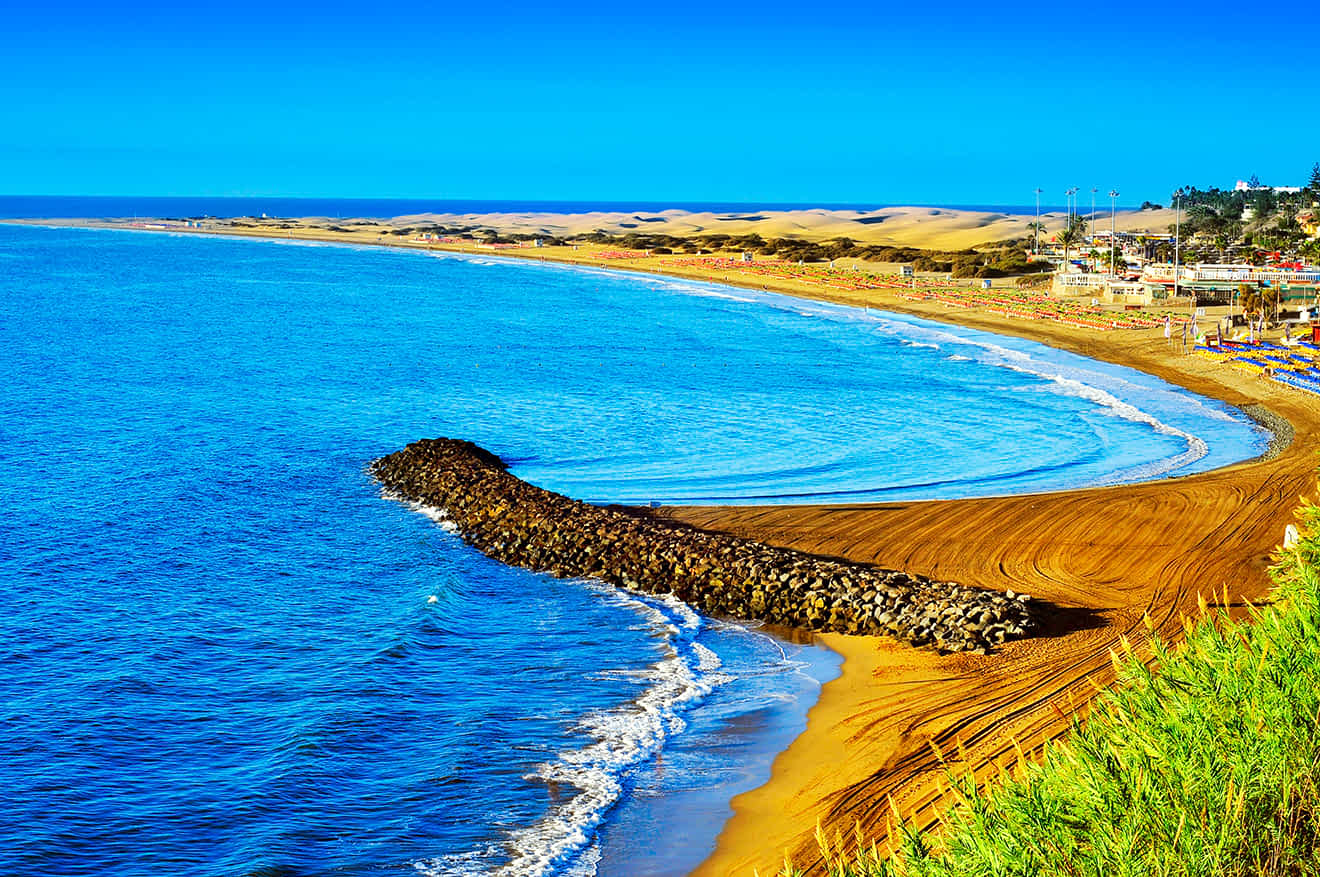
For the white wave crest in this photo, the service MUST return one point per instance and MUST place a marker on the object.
(1067, 381)
(469, 864)
(623, 737)
(433, 513)
(1196, 446)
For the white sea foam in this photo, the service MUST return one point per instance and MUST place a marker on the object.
(623, 737)
(438, 515)
(1196, 446)
(1075, 382)
(434, 513)
(469, 864)
(726, 293)
(1115, 407)
(584, 865)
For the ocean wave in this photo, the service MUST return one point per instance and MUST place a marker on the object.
(433, 513)
(1115, 407)
(1196, 446)
(1071, 381)
(469, 864)
(724, 293)
(623, 737)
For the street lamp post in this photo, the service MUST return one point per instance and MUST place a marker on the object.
(1113, 241)
(1177, 239)
(1071, 193)
(1092, 216)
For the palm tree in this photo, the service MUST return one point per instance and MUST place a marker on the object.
(1072, 234)
(1067, 237)
(1111, 259)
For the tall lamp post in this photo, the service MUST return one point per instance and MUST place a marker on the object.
(1071, 193)
(1177, 239)
(1035, 247)
(1113, 241)
(1092, 216)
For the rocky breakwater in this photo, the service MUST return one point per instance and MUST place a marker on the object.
(523, 525)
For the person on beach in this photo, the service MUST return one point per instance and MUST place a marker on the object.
(1168, 330)
(1184, 337)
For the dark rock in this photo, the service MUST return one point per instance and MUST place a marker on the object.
(523, 525)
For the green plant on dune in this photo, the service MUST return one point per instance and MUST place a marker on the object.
(1204, 760)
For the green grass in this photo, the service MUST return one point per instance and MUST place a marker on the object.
(1208, 764)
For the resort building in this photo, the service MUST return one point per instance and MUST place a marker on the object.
(1245, 186)
(1208, 283)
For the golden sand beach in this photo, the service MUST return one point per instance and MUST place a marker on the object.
(1107, 557)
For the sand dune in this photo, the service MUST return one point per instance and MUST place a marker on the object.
(924, 227)
(937, 228)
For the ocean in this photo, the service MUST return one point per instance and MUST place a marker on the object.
(226, 652)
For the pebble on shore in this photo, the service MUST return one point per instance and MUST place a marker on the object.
(724, 576)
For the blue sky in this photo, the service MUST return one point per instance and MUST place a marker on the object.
(929, 102)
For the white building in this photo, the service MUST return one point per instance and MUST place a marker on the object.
(1244, 186)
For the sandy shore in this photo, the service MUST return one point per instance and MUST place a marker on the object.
(1108, 557)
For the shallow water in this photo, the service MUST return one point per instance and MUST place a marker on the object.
(226, 653)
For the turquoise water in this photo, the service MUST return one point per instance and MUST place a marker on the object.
(227, 653)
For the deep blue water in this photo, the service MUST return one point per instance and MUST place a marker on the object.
(224, 652)
(179, 207)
